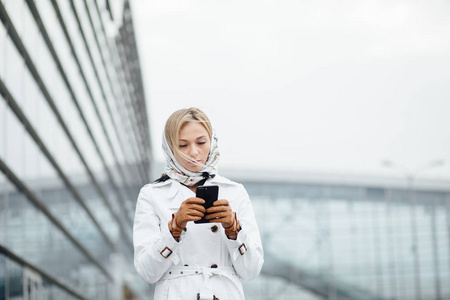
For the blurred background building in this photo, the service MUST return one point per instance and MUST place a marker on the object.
(75, 149)
(351, 237)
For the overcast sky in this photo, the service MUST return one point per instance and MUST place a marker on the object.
(308, 85)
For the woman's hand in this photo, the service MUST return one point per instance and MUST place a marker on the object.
(190, 210)
(221, 212)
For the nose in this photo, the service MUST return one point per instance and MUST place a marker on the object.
(193, 151)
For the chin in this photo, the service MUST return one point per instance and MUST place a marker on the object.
(192, 167)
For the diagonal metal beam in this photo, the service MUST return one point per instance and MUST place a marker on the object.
(37, 202)
(11, 31)
(53, 280)
(315, 283)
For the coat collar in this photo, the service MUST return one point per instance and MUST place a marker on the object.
(173, 189)
(175, 185)
(220, 179)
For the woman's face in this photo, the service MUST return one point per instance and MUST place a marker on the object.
(194, 142)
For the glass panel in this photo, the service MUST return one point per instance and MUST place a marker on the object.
(80, 89)
(100, 67)
(2, 275)
(3, 57)
(24, 155)
(14, 280)
(14, 147)
(3, 127)
(15, 12)
(25, 227)
(358, 244)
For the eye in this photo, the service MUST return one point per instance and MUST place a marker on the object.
(201, 143)
(182, 146)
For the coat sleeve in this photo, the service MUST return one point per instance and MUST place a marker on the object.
(246, 251)
(155, 250)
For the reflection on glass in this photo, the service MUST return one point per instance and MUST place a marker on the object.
(360, 240)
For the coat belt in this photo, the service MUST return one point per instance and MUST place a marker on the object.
(181, 271)
(205, 292)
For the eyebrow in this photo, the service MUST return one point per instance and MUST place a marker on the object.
(182, 140)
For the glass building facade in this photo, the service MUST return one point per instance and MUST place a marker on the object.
(74, 149)
(355, 241)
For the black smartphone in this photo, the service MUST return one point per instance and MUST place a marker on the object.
(209, 193)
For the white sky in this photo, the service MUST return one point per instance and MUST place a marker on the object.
(306, 85)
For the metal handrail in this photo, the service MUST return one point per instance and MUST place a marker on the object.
(44, 275)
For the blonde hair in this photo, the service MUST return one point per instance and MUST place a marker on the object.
(176, 122)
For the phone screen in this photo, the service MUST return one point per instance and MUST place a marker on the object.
(209, 194)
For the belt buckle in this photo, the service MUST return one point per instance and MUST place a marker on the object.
(214, 297)
(242, 251)
(164, 251)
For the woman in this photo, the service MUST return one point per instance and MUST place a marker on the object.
(185, 259)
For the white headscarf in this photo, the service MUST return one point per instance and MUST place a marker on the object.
(175, 171)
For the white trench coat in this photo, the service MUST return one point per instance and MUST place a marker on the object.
(205, 262)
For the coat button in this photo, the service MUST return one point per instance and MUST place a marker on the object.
(214, 228)
(214, 266)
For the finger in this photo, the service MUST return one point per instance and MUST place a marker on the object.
(216, 215)
(214, 209)
(194, 200)
(193, 218)
(219, 220)
(196, 207)
(221, 202)
(195, 213)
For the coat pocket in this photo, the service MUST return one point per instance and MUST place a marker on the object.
(167, 290)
